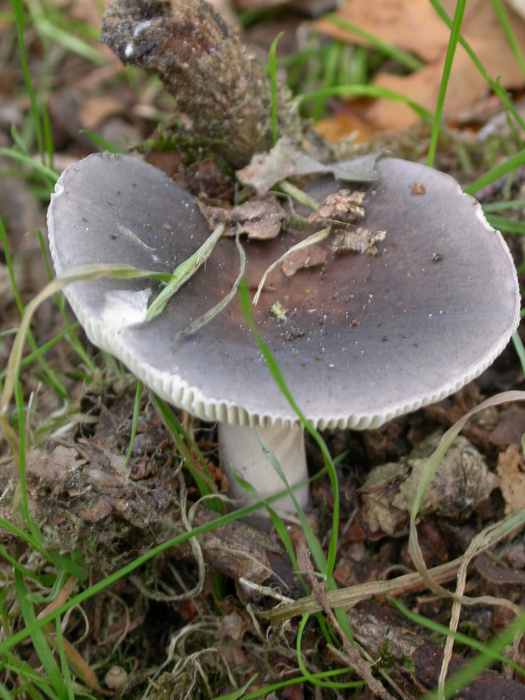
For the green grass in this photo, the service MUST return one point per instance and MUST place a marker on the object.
(447, 67)
(341, 70)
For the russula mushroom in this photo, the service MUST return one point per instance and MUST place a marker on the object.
(364, 338)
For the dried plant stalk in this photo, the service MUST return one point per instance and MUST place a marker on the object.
(217, 81)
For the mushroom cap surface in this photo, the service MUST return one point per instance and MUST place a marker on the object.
(366, 338)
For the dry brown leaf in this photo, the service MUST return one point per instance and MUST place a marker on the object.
(415, 27)
(411, 25)
(509, 427)
(460, 484)
(98, 511)
(95, 110)
(49, 467)
(285, 160)
(466, 84)
(511, 468)
(344, 124)
(234, 626)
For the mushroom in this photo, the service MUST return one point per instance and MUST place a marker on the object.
(361, 338)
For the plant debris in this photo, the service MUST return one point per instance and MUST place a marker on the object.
(285, 160)
(360, 240)
(511, 468)
(278, 311)
(260, 217)
(345, 206)
(100, 493)
(462, 482)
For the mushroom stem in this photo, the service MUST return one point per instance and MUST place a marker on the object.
(240, 451)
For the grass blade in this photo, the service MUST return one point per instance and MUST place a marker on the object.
(222, 304)
(449, 58)
(366, 91)
(502, 223)
(18, 12)
(106, 145)
(277, 375)
(494, 84)
(272, 70)
(135, 419)
(71, 43)
(497, 171)
(40, 644)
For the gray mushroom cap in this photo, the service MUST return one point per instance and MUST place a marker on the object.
(366, 338)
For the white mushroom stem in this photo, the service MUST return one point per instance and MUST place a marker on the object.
(240, 451)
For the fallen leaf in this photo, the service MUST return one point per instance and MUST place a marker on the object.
(461, 483)
(414, 26)
(51, 468)
(98, 511)
(496, 574)
(95, 110)
(233, 626)
(411, 25)
(511, 468)
(510, 426)
(343, 124)
(519, 6)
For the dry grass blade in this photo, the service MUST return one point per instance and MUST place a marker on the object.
(185, 272)
(432, 465)
(481, 542)
(351, 656)
(348, 597)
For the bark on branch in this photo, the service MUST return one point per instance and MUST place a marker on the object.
(217, 81)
